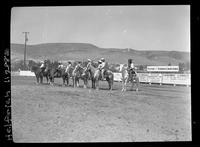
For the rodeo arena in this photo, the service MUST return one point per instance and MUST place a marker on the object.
(94, 101)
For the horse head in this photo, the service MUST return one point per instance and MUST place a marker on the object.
(86, 70)
(78, 69)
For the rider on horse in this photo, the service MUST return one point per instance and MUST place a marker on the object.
(102, 67)
(68, 66)
(78, 65)
(60, 65)
(131, 67)
(43, 65)
(89, 62)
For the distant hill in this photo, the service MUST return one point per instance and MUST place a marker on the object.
(82, 51)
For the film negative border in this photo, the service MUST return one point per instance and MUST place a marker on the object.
(7, 120)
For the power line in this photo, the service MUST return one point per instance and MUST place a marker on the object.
(26, 39)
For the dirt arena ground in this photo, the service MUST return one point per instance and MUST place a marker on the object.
(44, 113)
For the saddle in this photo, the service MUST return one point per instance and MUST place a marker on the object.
(43, 69)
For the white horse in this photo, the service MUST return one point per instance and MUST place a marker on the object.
(126, 78)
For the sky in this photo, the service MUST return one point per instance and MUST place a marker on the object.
(141, 27)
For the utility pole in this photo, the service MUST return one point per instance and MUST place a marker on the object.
(26, 39)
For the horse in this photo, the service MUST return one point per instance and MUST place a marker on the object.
(39, 73)
(133, 78)
(51, 69)
(61, 73)
(69, 74)
(80, 73)
(95, 75)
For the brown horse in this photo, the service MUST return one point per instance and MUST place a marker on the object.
(95, 75)
(39, 73)
(61, 73)
(133, 78)
(51, 70)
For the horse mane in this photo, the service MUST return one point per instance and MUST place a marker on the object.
(52, 65)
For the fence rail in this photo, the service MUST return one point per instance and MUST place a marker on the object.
(167, 78)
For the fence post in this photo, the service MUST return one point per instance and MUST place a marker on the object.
(149, 80)
(160, 75)
(175, 77)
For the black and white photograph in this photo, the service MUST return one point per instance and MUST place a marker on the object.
(109, 73)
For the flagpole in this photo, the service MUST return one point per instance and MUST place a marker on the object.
(26, 39)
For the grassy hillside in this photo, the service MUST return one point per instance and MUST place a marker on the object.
(82, 51)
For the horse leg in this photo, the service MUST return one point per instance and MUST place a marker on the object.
(137, 84)
(132, 85)
(51, 81)
(112, 82)
(74, 82)
(78, 83)
(125, 85)
(67, 79)
(109, 85)
(97, 84)
(47, 79)
(94, 84)
(84, 81)
(37, 78)
(63, 81)
(123, 82)
(41, 79)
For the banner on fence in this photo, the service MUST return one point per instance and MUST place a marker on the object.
(117, 76)
(143, 77)
(26, 73)
(168, 78)
(163, 68)
(155, 78)
(178, 79)
(182, 79)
